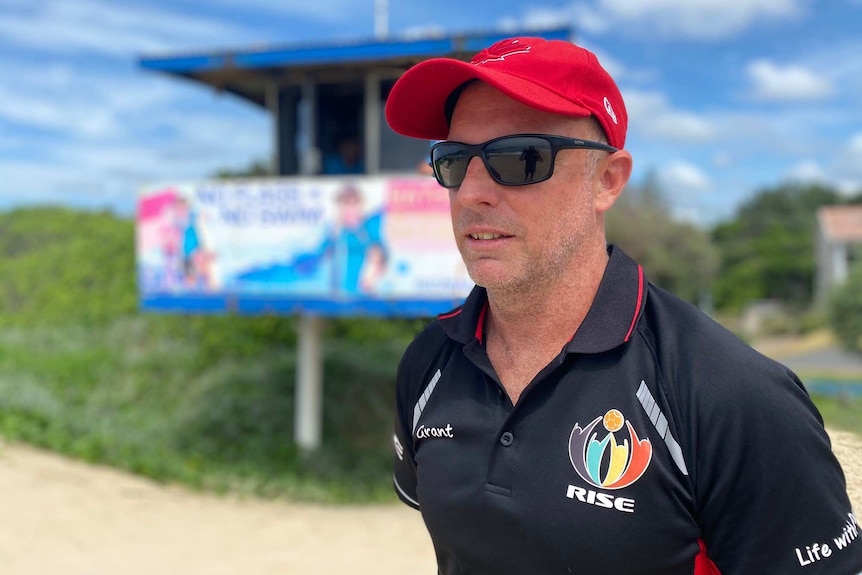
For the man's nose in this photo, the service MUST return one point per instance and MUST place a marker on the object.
(478, 186)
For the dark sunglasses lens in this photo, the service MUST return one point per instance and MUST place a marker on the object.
(450, 163)
(519, 160)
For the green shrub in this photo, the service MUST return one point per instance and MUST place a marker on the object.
(841, 411)
(205, 400)
(126, 395)
(60, 265)
(845, 311)
(812, 321)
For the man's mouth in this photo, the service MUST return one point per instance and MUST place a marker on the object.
(487, 236)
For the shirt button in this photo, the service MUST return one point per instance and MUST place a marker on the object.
(507, 439)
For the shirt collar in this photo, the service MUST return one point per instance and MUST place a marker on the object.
(609, 323)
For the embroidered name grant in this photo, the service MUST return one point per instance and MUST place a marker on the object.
(423, 432)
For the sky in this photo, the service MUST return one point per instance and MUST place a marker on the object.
(725, 97)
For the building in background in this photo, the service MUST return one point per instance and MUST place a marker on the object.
(839, 247)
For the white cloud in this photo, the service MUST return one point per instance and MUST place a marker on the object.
(699, 20)
(112, 29)
(849, 162)
(328, 12)
(424, 31)
(849, 188)
(51, 186)
(800, 132)
(651, 114)
(843, 173)
(546, 17)
(839, 63)
(681, 178)
(96, 134)
(855, 145)
(790, 83)
(614, 67)
(722, 159)
(807, 171)
(589, 19)
(87, 102)
(111, 174)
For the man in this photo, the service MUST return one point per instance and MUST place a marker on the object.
(571, 417)
(531, 157)
(355, 244)
(347, 157)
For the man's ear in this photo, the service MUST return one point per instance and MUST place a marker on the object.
(612, 175)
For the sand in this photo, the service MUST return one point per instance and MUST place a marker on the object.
(63, 516)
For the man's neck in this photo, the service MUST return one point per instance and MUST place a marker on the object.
(551, 313)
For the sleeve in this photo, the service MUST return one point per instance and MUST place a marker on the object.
(374, 228)
(404, 476)
(771, 495)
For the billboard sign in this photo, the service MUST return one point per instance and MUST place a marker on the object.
(365, 245)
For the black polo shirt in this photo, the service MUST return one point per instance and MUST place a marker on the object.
(656, 443)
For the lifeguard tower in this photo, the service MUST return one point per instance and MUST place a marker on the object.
(318, 94)
(323, 98)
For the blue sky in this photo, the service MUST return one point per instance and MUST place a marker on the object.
(724, 96)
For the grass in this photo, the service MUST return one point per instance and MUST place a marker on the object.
(152, 401)
(841, 412)
(158, 402)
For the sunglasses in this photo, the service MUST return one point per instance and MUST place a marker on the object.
(516, 160)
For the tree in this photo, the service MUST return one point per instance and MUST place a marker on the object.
(257, 169)
(767, 250)
(676, 255)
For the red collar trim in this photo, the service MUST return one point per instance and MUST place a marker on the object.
(480, 325)
(450, 314)
(610, 322)
(638, 305)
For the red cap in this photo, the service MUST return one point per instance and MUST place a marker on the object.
(549, 75)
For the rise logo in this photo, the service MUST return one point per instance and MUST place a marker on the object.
(604, 500)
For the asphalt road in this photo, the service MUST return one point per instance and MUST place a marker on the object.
(828, 360)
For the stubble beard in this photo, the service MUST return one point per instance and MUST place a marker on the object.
(535, 271)
(546, 267)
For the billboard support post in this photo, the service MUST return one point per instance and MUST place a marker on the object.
(308, 417)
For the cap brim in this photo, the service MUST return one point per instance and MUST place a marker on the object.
(416, 104)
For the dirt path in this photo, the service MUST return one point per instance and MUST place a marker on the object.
(60, 516)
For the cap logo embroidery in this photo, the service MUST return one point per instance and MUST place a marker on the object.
(610, 110)
(500, 51)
